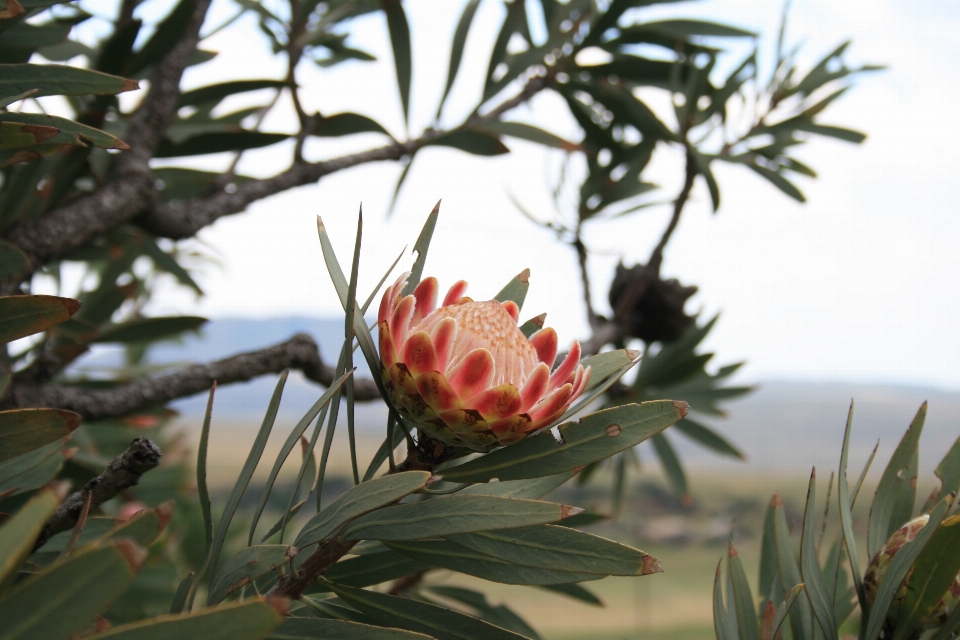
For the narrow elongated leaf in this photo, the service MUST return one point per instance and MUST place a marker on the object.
(592, 438)
(65, 131)
(785, 608)
(950, 627)
(699, 28)
(24, 430)
(182, 593)
(31, 470)
(12, 261)
(801, 622)
(516, 289)
(170, 31)
(885, 517)
(707, 437)
(202, 493)
(477, 142)
(530, 133)
(19, 533)
(949, 473)
(143, 528)
(723, 625)
(561, 549)
(672, 466)
(402, 57)
(252, 619)
(247, 566)
(420, 248)
(477, 605)
(64, 597)
(149, 329)
(934, 571)
(575, 591)
(743, 599)
(359, 500)
(21, 316)
(454, 514)
(335, 608)
(768, 553)
(456, 49)
(217, 92)
(218, 142)
(603, 365)
(288, 446)
(532, 489)
(345, 124)
(448, 555)
(900, 565)
(813, 578)
(421, 617)
(249, 466)
(374, 568)
(55, 79)
(311, 628)
(845, 506)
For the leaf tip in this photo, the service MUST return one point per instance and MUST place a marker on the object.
(732, 551)
(776, 500)
(436, 208)
(651, 565)
(682, 407)
(566, 511)
(129, 85)
(133, 553)
(524, 276)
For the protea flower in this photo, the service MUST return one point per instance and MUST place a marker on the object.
(881, 562)
(465, 373)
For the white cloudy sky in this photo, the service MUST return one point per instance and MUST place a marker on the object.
(859, 284)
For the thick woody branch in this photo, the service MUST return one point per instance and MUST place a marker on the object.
(299, 352)
(121, 474)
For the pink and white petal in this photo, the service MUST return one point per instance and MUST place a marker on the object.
(510, 426)
(390, 298)
(556, 402)
(473, 374)
(545, 344)
(437, 392)
(464, 420)
(400, 321)
(419, 354)
(535, 386)
(426, 296)
(455, 293)
(581, 382)
(402, 381)
(443, 336)
(496, 402)
(388, 352)
(512, 308)
(566, 368)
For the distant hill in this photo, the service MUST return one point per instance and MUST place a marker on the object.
(785, 425)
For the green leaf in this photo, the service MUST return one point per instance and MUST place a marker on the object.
(672, 467)
(252, 619)
(14, 135)
(453, 514)
(19, 533)
(65, 596)
(150, 329)
(31, 470)
(723, 625)
(948, 471)
(145, 527)
(560, 549)
(779, 182)
(12, 262)
(933, 574)
(55, 79)
(801, 622)
(592, 438)
(477, 142)
(168, 33)
(530, 133)
(514, 21)
(603, 365)
(345, 124)
(448, 555)
(166, 262)
(248, 565)
(477, 605)
(400, 41)
(311, 628)
(217, 92)
(249, 466)
(23, 430)
(743, 599)
(699, 28)
(374, 568)
(813, 578)
(950, 627)
(179, 183)
(218, 142)
(703, 167)
(358, 500)
(203, 494)
(845, 506)
(66, 131)
(437, 622)
(707, 437)
(900, 564)
(181, 594)
(456, 49)
(532, 489)
(288, 446)
(785, 608)
(768, 552)
(335, 608)
(420, 248)
(516, 289)
(886, 513)
(21, 316)
(575, 591)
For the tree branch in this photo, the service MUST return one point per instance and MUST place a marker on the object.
(618, 328)
(299, 352)
(121, 474)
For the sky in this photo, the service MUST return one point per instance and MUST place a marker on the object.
(860, 284)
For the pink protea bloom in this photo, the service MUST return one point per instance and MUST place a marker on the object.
(465, 373)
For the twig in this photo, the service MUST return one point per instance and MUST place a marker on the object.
(299, 352)
(121, 474)
(585, 280)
